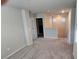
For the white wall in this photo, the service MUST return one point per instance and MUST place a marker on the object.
(30, 22)
(75, 39)
(27, 22)
(12, 31)
(72, 34)
(34, 28)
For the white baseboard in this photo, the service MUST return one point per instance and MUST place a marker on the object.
(14, 52)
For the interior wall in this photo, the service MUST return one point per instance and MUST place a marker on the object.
(71, 27)
(60, 28)
(75, 38)
(73, 15)
(34, 28)
(12, 31)
(27, 22)
(50, 30)
(29, 26)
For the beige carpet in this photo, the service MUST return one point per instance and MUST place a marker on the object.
(48, 49)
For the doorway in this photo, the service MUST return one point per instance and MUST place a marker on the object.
(39, 24)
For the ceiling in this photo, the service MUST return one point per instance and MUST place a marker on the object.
(36, 6)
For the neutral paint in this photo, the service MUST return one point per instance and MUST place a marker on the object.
(36, 6)
(27, 26)
(34, 29)
(16, 30)
(73, 15)
(50, 31)
(75, 38)
(58, 26)
(71, 23)
(12, 31)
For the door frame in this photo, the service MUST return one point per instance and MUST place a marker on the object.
(42, 24)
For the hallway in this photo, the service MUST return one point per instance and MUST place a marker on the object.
(46, 49)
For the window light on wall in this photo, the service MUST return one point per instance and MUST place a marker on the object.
(62, 20)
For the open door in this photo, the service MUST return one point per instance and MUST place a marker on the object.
(39, 23)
